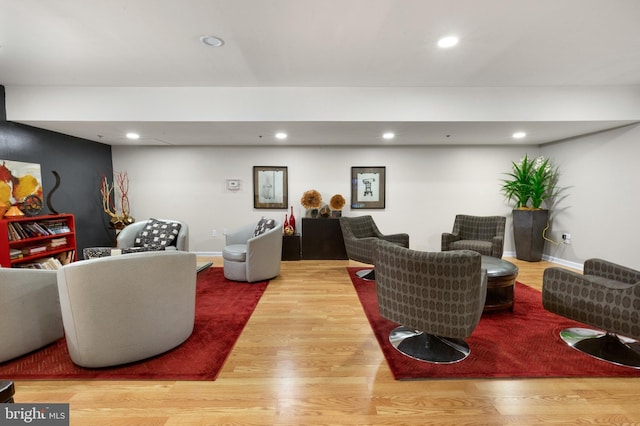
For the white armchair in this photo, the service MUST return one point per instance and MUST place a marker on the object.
(127, 237)
(250, 257)
(122, 309)
(29, 311)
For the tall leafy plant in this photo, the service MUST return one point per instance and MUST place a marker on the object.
(530, 183)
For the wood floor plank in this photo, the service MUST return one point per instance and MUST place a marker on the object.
(308, 356)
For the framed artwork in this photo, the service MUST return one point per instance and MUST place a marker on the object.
(367, 187)
(19, 181)
(270, 187)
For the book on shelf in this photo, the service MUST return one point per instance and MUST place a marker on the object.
(28, 251)
(56, 226)
(58, 242)
(15, 254)
(18, 231)
(13, 233)
(50, 263)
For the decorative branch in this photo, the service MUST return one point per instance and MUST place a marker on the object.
(107, 204)
(118, 189)
(122, 179)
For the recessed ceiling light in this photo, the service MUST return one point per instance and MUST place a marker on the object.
(519, 135)
(132, 135)
(211, 41)
(448, 41)
(281, 135)
(388, 135)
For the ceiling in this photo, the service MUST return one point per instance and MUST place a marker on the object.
(329, 43)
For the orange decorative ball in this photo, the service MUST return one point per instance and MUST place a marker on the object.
(288, 230)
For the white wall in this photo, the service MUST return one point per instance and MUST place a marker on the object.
(426, 187)
(602, 197)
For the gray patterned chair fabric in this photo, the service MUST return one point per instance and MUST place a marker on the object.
(29, 311)
(607, 296)
(131, 235)
(361, 236)
(484, 234)
(440, 295)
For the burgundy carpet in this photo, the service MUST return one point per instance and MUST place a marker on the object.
(222, 310)
(524, 343)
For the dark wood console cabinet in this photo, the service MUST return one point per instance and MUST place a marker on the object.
(322, 239)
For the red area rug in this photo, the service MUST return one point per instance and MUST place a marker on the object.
(222, 310)
(524, 343)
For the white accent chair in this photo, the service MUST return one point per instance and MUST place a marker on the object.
(29, 311)
(122, 309)
(253, 258)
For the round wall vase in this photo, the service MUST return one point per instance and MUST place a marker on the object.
(14, 211)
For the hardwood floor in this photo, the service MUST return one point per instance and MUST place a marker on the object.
(309, 357)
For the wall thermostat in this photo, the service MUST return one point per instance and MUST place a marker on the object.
(233, 184)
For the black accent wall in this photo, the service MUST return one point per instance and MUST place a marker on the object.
(3, 108)
(80, 164)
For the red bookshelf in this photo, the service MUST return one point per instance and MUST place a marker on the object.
(26, 241)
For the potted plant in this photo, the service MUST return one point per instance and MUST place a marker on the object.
(530, 184)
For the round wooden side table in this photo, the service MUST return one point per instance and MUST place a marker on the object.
(501, 280)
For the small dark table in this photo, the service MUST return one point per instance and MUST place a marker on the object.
(7, 390)
(501, 280)
(291, 247)
(322, 239)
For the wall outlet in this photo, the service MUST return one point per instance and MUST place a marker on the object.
(566, 238)
(214, 233)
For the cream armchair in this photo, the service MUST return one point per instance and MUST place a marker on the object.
(121, 309)
(29, 311)
(253, 252)
(158, 233)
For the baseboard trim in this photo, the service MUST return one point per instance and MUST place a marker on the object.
(207, 253)
(553, 259)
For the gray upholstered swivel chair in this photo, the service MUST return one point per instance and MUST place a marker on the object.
(605, 296)
(253, 252)
(436, 297)
(361, 236)
(161, 233)
(122, 309)
(484, 234)
(30, 315)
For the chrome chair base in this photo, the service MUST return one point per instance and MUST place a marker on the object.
(427, 347)
(367, 274)
(607, 347)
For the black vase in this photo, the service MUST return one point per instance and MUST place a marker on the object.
(528, 228)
